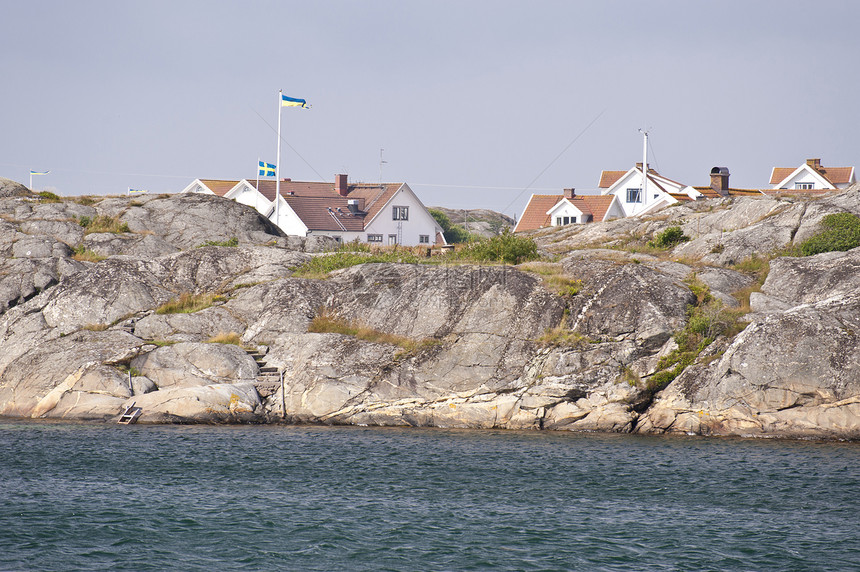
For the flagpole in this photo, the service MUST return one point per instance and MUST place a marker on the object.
(278, 162)
(31, 179)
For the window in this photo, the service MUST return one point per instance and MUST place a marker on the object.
(573, 220)
(558, 221)
(400, 213)
(374, 238)
(566, 220)
(634, 195)
(392, 239)
(424, 239)
(804, 186)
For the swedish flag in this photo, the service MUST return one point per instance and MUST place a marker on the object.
(266, 169)
(293, 102)
(39, 172)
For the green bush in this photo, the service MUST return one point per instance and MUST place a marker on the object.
(229, 242)
(506, 247)
(453, 233)
(49, 197)
(669, 238)
(842, 232)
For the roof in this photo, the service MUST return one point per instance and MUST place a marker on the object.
(535, 217)
(219, 186)
(609, 178)
(326, 213)
(834, 175)
(710, 193)
(371, 197)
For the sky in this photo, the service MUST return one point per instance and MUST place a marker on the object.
(477, 104)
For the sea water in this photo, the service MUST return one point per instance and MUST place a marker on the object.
(98, 497)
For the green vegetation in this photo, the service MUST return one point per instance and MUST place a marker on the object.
(707, 319)
(229, 242)
(103, 223)
(668, 238)
(188, 303)
(841, 232)
(49, 197)
(562, 336)
(506, 248)
(453, 233)
(86, 200)
(83, 254)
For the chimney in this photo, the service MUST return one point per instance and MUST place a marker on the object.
(353, 205)
(814, 163)
(341, 185)
(569, 193)
(720, 180)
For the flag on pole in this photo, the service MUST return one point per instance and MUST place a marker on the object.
(293, 102)
(32, 172)
(266, 169)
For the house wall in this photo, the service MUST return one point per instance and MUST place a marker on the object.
(420, 221)
(565, 209)
(805, 176)
(655, 198)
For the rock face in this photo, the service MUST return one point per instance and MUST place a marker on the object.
(482, 222)
(83, 337)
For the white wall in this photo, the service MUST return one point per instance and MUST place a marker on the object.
(655, 197)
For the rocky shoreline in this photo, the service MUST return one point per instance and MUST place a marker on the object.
(86, 330)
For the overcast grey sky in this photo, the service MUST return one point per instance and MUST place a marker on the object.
(473, 101)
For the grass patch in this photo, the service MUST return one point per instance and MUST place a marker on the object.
(189, 303)
(327, 322)
(226, 338)
(506, 248)
(161, 343)
(563, 337)
(553, 278)
(103, 223)
(96, 327)
(229, 242)
(86, 200)
(84, 254)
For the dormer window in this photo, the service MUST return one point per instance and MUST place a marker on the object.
(634, 195)
(804, 186)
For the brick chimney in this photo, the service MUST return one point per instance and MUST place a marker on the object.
(814, 163)
(569, 193)
(720, 180)
(341, 185)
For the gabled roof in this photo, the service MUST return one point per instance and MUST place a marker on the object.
(326, 213)
(535, 214)
(710, 193)
(371, 197)
(219, 186)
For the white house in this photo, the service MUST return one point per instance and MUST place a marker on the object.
(660, 191)
(388, 213)
(811, 176)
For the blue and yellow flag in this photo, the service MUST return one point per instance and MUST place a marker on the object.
(293, 102)
(266, 169)
(32, 172)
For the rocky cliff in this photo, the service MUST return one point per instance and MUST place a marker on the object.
(185, 304)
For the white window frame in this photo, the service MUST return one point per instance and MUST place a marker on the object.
(424, 239)
(392, 239)
(804, 186)
(634, 195)
(374, 238)
(399, 213)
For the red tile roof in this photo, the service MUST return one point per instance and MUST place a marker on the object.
(371, 197)
(535, 217)
(609, 178)
(835, 175)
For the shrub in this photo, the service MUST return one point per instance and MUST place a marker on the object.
(841, 232)
(669, 238)
(49, 197)
(453, 233)
(326, 321)
(229, 242)
(83, 254)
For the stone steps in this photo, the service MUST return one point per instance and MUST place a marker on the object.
(268, 380)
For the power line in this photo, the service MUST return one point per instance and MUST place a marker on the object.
(287, 143)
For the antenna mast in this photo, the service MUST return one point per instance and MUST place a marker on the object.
(644, 166)
(381, 163)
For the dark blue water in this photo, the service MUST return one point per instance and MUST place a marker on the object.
(85, 497)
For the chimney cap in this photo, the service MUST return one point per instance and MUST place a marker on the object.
(720, 171)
